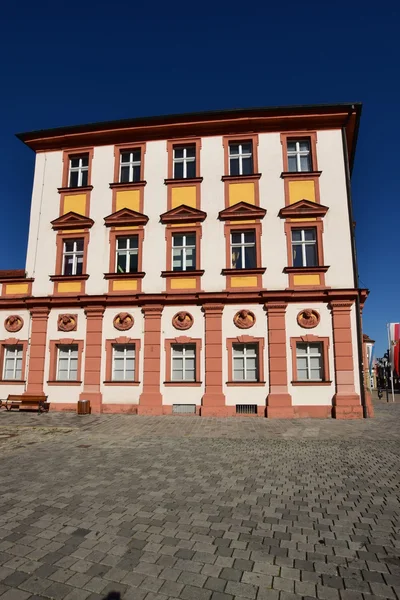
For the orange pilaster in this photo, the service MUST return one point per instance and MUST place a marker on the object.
(93, 352)
(37, 350)
(346, 403)
(150, 401)
(279, 401)
(213, 401)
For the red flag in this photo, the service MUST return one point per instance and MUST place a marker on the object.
(394, 339)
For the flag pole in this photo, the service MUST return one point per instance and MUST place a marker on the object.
(391, 355)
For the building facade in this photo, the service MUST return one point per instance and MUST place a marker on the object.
(200, 263)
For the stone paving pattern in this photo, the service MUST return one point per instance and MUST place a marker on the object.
(199, 509)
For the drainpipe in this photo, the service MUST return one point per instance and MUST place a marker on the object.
(354, 257)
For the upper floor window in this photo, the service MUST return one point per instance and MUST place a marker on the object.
(304, 247)
(67, 362)
(184, 252)
(13, 362)
(245, 362)
(127, 254)
(123, 366)
(130, 162)
(73, 257)
(184, 162)
(184, 362)
(78, 170)
(243, 249)
(309, 360)
(299, 155)
(240, 158)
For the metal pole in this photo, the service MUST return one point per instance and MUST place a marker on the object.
(390, 358)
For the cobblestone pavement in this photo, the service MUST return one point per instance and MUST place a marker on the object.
(199, 509)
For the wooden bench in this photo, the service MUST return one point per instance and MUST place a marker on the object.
(27, 402)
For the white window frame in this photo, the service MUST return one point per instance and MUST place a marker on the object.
(131, 164)
(241, 155)
(303, 243)
(184, 358)
(184, 248)
(80, 169)
(71, 348)
(74, 253)
(242, 245)
(298, 154)
(128, 251)
(184, 159)
(308, 355)
(245, 348)
(127, 348)
(13, 353)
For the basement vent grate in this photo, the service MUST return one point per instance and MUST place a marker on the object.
(184, 409)
(246, 409)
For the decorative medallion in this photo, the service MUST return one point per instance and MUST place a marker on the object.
(308, 318)
(67, 322)
(13, 323)
(244, 319)
(182, 320)
(123, 321)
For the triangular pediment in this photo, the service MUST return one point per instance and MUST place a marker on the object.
(72, 220)
(303, 208)
(125, 216)
(242, 211)
(183, 214)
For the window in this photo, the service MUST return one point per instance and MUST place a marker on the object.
(184, 252)
(67, 362)
(245, 362)
(240, 158)
(13, 362)
(309, 361)
(304, 248)
(73, 257)
(299, 155)
(130, 161)
(243, 249)
(183, 362)
(123, 367)
(127, 254)
(78, 170)
(184, 161)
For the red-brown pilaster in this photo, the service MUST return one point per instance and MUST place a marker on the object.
(213, 401)
(150, 401)
(37, 350)
(279, 401)
(93, 352)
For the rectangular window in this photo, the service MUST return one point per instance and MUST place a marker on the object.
(309, 361)
(245, 362)
(184, 252)
(183, 362)
(304, 248)
(13, 362)
(127, 254)
(78, 170)
(240, 158)
(123, 366)
(243, 249)
(67, 362)
(184, 162)
(299, 155)
(130, 161)
(73, 257)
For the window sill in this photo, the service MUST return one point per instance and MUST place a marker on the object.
(182, 383)
(83, 188)
(137, 275)
(119, 383)
(246, 383)
(309, 382)
(12, 381)
(127, 184)
(255, 271)
(252, 177)
(67, 382)
(305, 270)
(188, 180)
(299, 174)
(69, 277)
(195, 273)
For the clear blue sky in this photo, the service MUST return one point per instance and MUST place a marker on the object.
(66, 63)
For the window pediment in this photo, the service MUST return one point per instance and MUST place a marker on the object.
(125, 216)
(183, 214)
(72, 220)
(303, 208)
(242, 211)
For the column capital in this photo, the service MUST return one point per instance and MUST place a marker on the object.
(340, 305)
(213, 308)
(94, 312)
(39, 312)
(152, 310)
(275, 307)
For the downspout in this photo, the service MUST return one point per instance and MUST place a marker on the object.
(355, 269)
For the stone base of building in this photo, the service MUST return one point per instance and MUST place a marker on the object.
(347, 406)
(279, 406)
(95, 399)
